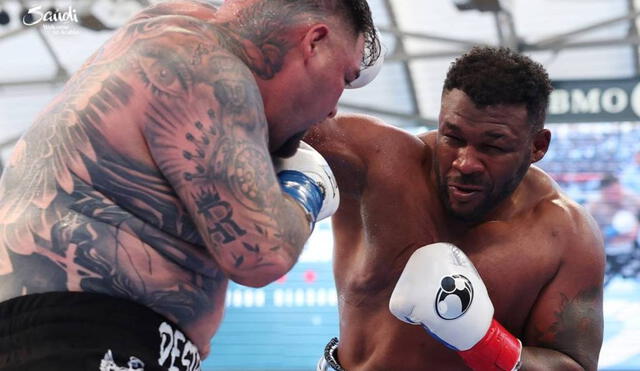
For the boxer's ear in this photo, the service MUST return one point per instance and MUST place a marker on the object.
(540, 144)
(314, 38)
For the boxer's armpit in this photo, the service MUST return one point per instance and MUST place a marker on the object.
(576, 329)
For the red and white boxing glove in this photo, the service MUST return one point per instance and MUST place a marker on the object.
(441, 290)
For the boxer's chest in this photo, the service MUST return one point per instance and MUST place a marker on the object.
(394, 225)
(515, 261)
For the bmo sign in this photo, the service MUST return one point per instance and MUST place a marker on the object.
(595, 101)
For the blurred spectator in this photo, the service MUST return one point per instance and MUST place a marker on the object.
(616, 211)
(630, 175)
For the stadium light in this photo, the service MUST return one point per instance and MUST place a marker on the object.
(481, 5)
(4, 18)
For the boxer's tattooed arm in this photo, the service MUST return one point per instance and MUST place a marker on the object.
(577, 327)
(207, 132)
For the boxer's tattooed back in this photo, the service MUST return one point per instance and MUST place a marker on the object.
(160, 131)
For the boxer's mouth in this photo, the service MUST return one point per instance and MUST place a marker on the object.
(463, 192)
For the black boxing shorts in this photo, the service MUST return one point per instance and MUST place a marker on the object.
(75, 331)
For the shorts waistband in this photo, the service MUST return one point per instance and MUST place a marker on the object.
(329, 360)
(77, 325)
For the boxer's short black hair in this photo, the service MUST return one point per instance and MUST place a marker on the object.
(491, 75)
(358, 15)
(267, 20)
(355, 14)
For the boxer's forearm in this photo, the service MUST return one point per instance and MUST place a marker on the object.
(267, 249)
(310, 194)
(544, 359)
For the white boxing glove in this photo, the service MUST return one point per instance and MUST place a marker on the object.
(368, 74)
(307, 177)
(441, 290)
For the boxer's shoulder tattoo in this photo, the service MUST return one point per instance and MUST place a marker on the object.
(163, 72)
(576, 314)
(577, 323)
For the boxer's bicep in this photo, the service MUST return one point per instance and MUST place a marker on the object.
(207, 133)
(567, 316)
(339, 149)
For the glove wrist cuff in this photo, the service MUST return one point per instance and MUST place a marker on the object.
(304, 190)
(497, 350)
